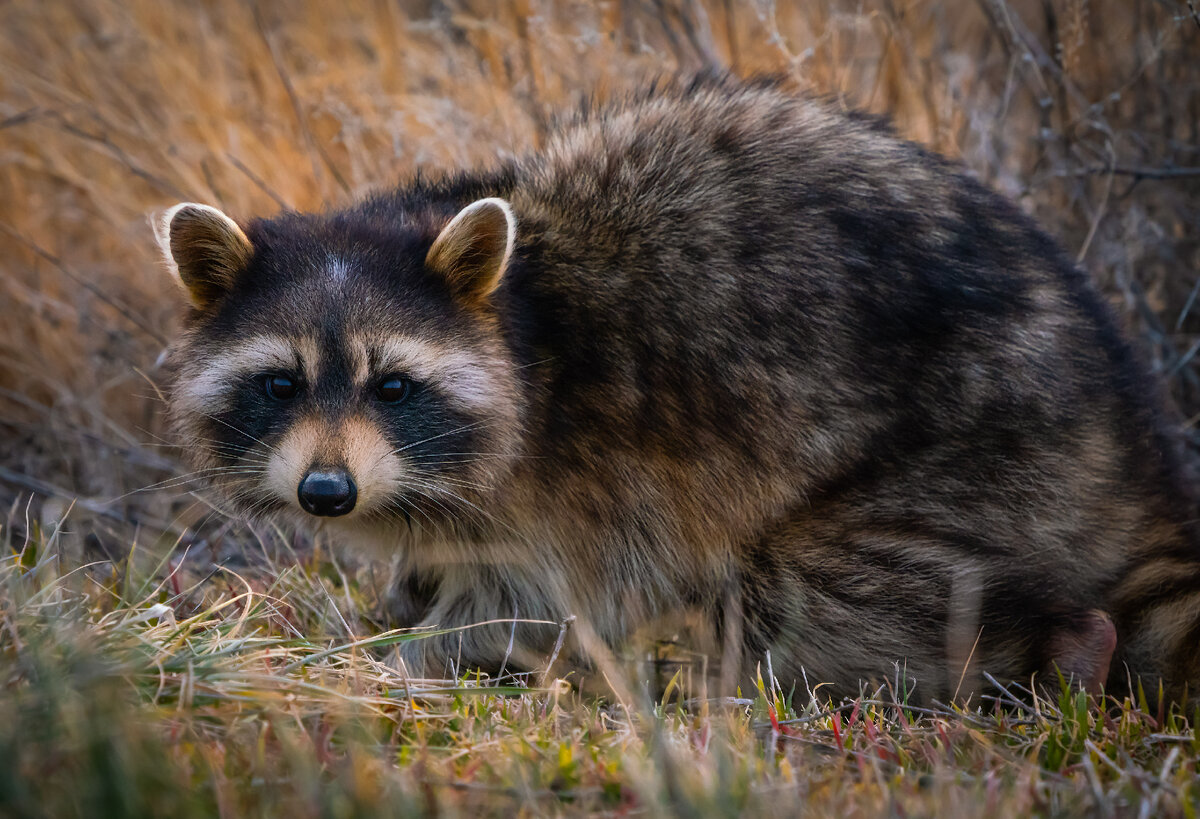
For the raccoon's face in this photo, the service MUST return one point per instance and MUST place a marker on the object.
(346, 365)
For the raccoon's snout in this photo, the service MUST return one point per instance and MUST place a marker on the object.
(327, 493)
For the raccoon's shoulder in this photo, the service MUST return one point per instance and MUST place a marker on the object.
(722, 158)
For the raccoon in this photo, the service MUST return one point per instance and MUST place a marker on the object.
(718, 348)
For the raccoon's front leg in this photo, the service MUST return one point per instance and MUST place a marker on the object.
(409, 597)
(468, 600)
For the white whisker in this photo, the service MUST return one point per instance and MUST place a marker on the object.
(464, 428)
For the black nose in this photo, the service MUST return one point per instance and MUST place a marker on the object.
(327, 493)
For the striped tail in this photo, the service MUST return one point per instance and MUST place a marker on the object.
(1156, 607)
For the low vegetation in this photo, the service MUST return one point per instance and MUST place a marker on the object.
(134, 691)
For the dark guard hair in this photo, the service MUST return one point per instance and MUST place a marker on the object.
(716, 349)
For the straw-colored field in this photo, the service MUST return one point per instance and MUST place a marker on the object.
(200, 665)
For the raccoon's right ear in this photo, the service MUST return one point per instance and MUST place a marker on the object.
(472, 251)
(204, 249)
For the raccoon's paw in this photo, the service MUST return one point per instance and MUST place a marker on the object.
(1082, 648)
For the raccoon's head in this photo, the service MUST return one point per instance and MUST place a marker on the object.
(346, 364)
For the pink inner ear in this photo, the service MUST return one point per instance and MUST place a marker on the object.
(1083, 649)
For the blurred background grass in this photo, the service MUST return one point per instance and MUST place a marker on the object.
(1087, 112)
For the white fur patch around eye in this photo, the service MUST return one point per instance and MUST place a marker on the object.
(205, 385)
(459, 376)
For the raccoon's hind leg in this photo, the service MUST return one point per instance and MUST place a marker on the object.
(842, 606)
(835, 615)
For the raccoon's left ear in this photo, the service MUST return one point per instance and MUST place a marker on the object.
(472, 251)
(204, 249)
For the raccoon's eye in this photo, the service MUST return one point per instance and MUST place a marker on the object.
(280, 387)
(393, 389)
